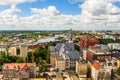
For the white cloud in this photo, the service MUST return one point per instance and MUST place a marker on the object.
(111, 9)
(100, 13)
(96, 14)
(50, 11)
(99, 7)
(14, 2)
(76, 1)
(95, 7)
(42, 19)
(10, 11)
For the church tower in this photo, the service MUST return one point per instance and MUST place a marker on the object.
(70, 36)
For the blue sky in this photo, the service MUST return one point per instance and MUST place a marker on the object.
(64, 6)
(117, 4)
(52, 14)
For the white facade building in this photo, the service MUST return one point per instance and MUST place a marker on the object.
(114, 46)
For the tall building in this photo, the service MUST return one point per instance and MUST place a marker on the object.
(70, 36)
(23, 51)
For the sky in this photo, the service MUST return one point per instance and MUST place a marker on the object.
(59, 14)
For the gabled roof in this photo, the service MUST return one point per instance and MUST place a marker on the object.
(20, 66)
(73, 55)
(67, 46)
(58, 46)
(68, 49)
(52, 49)
(70, 45)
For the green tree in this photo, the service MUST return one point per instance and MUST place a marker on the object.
(48, 57)
(106, 41)
(7, 53)
(1, 61)
(29, 56)
(77, 47)
(12, 58)
(117, 41)
(19, 60)
(44, 67)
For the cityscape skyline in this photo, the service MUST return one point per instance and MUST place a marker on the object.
(60, 15)
(59, 55)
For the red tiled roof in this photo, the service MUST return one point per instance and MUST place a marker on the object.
(87, 41)
(93, 39)
(21, 66)
(96, 65)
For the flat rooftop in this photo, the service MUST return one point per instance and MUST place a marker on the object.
(99, 51)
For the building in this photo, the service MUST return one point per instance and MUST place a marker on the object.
(65, 52)
(85, 42)
(60, 63)
(98, 54)
(52, 60)
(84, 56)
(101, 61)
(118, 63)
(23, 52)
(71, 59)
(106, 36)
(14, 50)
(23, 71)
(103, 56)
(1, 76)
(114, 46)
(100, 71)
(81, 69)
(18, 36)
(52, 56)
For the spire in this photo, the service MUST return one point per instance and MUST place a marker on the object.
(70, 35)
